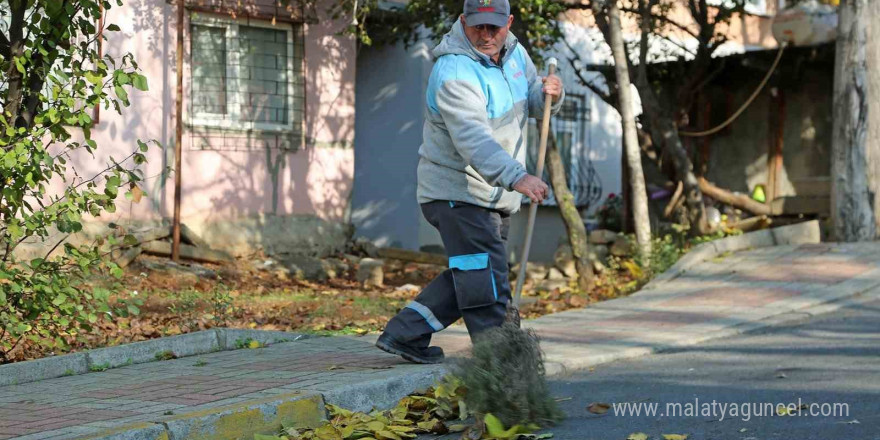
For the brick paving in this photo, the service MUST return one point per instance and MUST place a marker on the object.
(711, 297)
(147, 392)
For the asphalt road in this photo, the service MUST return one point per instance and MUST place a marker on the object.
(830, 359)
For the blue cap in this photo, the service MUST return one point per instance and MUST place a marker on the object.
(493, 12)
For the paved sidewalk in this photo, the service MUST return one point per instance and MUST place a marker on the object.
(235, 393)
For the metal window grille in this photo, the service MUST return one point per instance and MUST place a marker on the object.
(570, 131)
(247, 88)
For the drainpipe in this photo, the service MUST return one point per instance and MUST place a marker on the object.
(178, 139)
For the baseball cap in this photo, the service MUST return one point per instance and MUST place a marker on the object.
(493, 12)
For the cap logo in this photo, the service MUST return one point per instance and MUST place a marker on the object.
(487, 6)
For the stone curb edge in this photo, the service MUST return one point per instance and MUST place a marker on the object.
(99, 359)
(800, 233)
(266, 416)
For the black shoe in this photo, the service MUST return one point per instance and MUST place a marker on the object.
(430, 355)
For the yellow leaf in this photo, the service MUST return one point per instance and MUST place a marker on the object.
(598, 407)
(398, 428)
(637, 436)
(457, 428)
(429, 425)
(254, 344)
(633, 269)
(327, 432)
(375, 426)
(388, 435)
(136, 193)
(347, 431)
(493, 425)
(337, 411)
(675, 436)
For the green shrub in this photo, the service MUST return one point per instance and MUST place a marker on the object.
(53, 78)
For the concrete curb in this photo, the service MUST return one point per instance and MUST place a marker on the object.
(190, 344)
(800, 233)
(385, 392)
(263, 416)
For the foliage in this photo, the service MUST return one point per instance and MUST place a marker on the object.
(666, 251)
(610, 213)
(533, 21)
(505, 377)
(421, 413)
(53, 78)
(416, 414)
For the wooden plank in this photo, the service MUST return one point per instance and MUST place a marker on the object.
(413, 256)
(740, 201)
(124, 257)
(812, 186)
(189, 237)
(794, 205)
(751, 223)
(163, 249)
(153, 234)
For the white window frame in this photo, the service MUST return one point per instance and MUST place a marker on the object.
(754, 7)
(235, 96)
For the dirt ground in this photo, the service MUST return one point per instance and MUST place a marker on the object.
(245, 294)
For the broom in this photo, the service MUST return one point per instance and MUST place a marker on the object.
(505, 375)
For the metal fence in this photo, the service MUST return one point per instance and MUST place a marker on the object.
(571, 131)
(246, 83)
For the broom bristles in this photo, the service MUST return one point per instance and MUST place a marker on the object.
(505, 376)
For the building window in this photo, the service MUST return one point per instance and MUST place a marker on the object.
(756, 7)
(245, 75)
(571, 128)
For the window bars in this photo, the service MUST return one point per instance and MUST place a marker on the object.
(246, 84)
(571, 131)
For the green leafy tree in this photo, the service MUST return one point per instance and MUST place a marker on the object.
(52, 78)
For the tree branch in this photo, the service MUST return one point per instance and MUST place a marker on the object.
(664, 19)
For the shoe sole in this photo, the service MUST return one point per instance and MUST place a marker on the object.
(389, 349)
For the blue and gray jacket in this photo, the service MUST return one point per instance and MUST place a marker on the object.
(474, 145)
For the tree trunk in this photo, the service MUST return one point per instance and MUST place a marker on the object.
(872, 56)
(630, 139)
(854, 153)
(574, 225)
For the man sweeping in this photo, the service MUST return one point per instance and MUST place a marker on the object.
(471, 175)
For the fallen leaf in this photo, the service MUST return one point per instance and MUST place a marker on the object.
(598, 407)
(637, 436)
(675, 436)
(563, 399)
(136, 193)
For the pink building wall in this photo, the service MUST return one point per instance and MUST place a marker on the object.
(238, 200)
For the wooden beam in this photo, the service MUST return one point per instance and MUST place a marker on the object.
(413, 256)
(751, 223)
(124, 257)
(190, 237)
(736, 200)
(163, 249)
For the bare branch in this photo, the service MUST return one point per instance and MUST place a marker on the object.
(664, 19)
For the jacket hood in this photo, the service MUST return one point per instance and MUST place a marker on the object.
(455, 42)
